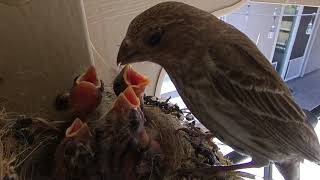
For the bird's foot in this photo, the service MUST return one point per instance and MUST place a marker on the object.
(200, 172)
(214, 170)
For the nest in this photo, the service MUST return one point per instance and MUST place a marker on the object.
(22, 139)
(28, 143)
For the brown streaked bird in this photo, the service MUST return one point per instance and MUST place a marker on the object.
(122, 137)
(225, 81)
(74, 156)
(86, 93)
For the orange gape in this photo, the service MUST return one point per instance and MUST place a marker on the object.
(135, 79)
(90, 76)
(131, 96)
(129, 77)
(85, 94)
(74, 128)
(125, 101)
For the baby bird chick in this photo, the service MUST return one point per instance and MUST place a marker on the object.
(122, 138)
(74, 156)
(85, 94)
(129, 77)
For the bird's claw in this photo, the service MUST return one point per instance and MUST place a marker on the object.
(200, 172)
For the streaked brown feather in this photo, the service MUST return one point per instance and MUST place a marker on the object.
(245, 79)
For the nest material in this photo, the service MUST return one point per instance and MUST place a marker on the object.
(28, 143)
(21, 139)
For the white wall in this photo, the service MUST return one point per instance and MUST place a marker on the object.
(257, 25)
(44, 45)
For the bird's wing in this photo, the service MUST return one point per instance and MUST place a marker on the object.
(246, 79)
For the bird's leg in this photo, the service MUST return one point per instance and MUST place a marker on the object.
(289, 169)
(204, 171)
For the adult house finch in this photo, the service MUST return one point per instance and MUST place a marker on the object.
(122, 137)
(225, 81)
(129, 77)
(75, 154)
(85, 94)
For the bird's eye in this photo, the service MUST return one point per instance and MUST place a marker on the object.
(155, 38)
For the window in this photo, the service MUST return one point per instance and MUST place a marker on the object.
(284, 38)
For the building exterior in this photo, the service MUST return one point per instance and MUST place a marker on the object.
(285, 34)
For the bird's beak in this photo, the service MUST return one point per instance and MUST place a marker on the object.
(126, 52)
(89, 76)
(135, 79)
(126, 100)
(76, 127)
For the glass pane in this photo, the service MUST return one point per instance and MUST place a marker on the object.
(284, 37)
(291, 10)
(302, 38)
